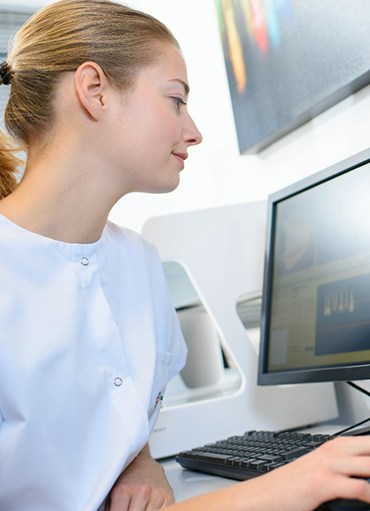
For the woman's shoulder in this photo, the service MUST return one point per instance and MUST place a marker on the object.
(128, 238)
(125, 248)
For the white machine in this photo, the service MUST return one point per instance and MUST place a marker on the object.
(212, 257)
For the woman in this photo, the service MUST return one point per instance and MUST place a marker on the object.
(89, 338)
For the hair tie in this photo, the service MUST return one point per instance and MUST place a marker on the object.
(5, 73)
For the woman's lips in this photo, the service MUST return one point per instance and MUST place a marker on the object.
(180, 157)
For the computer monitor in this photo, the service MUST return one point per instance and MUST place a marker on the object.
(315, 322)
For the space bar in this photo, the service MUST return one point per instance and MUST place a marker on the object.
(211, 457)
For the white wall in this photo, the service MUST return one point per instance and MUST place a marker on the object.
(215, 174)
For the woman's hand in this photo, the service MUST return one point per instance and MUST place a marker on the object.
(337, 469)
(142, 486)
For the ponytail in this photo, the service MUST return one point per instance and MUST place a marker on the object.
(9, 166)
(8, 161)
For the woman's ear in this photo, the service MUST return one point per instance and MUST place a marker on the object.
(91, 86)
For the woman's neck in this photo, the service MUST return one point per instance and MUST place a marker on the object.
(57, 206)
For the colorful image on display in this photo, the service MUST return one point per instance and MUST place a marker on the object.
(288, 60)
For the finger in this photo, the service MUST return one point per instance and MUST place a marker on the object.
(349, 445)
(120, 502)
(168, 501)
(157, 501)
(142, 499)
(351, 488)
(355, 466)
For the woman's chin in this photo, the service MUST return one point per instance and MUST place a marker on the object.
(165, 187)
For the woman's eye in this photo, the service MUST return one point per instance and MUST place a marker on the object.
(179, 102)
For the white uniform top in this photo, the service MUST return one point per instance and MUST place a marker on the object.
(88, 341)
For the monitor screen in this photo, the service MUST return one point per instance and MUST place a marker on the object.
(315, 322)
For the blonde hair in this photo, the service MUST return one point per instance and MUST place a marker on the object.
(58, 39)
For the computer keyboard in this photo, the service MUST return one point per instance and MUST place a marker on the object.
(250, 455)
(258, 452)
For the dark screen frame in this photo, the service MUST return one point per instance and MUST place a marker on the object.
(346, 372)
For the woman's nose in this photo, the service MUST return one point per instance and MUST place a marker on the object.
(193, 136)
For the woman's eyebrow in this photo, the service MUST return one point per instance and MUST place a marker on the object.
(184, 84)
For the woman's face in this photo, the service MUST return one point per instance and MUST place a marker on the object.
(153, 129)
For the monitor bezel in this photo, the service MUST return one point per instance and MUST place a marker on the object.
(306, 375)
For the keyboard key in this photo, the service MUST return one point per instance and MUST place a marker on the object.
(257, 465)
(211, 456)
(295, 453)
(271, 458)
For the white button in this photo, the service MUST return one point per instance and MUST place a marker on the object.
(84, 261)
(118, 381)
